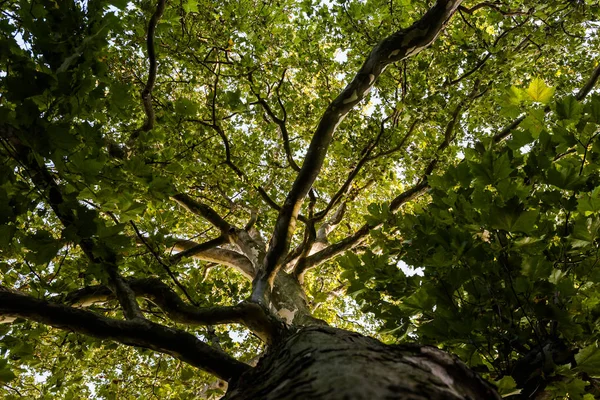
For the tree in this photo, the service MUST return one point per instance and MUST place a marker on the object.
(205, 182)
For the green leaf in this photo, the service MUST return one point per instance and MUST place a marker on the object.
(569, 108)
(589, 203)
(42, 245)
(588, 360)
(190, 6)
(186, 107)
(6, 375)
(594, 108)
(540, 92)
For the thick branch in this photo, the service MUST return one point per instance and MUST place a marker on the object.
(139, 333)
(197, 248)
(225, 257)
(398, 46)
(248, 314)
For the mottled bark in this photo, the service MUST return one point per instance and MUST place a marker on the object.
(326, 363)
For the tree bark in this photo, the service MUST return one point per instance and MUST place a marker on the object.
(327, 363)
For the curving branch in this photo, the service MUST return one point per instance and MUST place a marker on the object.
(140, 333)
(147, 91)
(251, 315)
(361, 234)
(396, 47)
(366, 157)
(281, 123)
(589, 85)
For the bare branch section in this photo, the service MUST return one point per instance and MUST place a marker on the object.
(147, 92)
(251, 315)
(140, 333)
(225, 257)
(65, 212)
(252, 249)
(398, 46)
(414, 192)
(589, 85)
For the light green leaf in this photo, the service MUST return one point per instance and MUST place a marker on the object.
(540, 92)
(190, 6)
(507, 386)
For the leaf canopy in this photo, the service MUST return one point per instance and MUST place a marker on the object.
(503, 223)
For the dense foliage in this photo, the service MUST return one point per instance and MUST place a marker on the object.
(476, 159)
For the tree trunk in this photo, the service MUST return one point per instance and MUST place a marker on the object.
(327, 363)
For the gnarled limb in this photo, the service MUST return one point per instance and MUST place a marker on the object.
(140, 333)
(251, 315)
(398, 46)
(47, 185)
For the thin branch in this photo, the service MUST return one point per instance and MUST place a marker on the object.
(140, 333)
(361, 234)
(281, 123)
(195, 207)
(363, 160)
(416, 191)
(147, 92)
(160, 261)
(398, 46)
